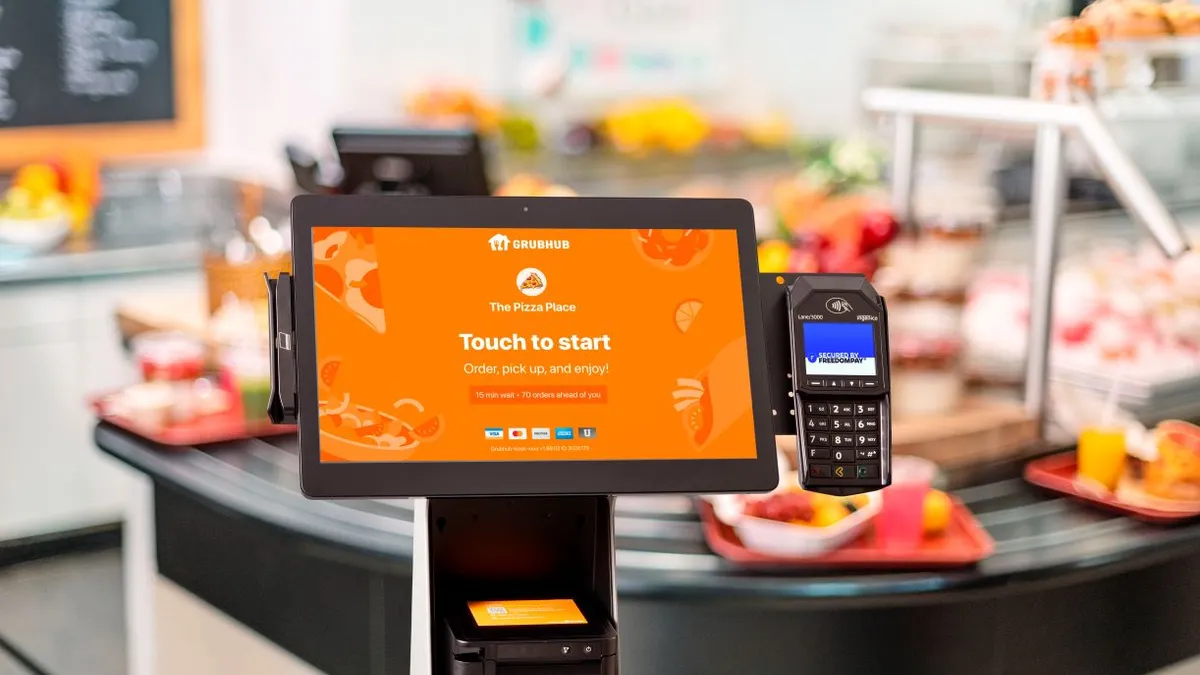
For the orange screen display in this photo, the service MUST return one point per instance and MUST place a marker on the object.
(525, 613)
(472, 344)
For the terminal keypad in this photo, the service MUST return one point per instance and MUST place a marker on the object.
(842, 439)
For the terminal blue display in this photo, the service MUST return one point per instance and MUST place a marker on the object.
(839, 349)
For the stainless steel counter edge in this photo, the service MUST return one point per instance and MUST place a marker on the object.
(58, 266)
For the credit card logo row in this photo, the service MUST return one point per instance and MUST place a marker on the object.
(538, 433)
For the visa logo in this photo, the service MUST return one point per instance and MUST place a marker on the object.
(564, 433)
(540, 433)
(493, 433)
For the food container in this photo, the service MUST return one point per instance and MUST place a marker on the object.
(787, 540)
(936, 317)
(944, 258)
(926, 377)
(147, 404)
(168, 356)
(36, 235)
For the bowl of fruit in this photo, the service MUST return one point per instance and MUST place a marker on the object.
(791, 522)
(44, 202)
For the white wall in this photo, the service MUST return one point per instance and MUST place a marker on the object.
(280, 69)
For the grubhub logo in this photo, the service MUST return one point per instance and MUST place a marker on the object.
(838, 305)
(501, 242)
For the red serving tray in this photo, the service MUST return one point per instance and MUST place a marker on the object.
(964, 543)
(226, 426)
(1058, 473)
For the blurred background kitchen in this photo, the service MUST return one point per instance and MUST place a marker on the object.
(1032, 246)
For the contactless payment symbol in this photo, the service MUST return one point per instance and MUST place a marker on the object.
(838, 305)
(531, 281)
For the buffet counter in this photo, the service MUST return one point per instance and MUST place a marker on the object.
(100, 258)
(1068, 589)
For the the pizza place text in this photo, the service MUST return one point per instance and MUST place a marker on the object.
(532, 307)
(518, 343)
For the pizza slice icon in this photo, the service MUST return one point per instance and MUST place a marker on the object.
(532, 281)
(345, 265)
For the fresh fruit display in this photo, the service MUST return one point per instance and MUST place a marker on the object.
(839, 166)
(520, 132)
(448, 106)
(844, 234)
(530, 185)
(825, 220)
(640, 127)
(769, 132)
(47, 200)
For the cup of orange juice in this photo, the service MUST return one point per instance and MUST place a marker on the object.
(1101, 456)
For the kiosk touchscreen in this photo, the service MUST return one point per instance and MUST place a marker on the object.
(501, 346)
(838, 326)
(518, 362)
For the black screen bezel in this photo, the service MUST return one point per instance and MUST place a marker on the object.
(875, 340)
(437, 479)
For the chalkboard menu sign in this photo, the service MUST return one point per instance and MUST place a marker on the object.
(115, 77)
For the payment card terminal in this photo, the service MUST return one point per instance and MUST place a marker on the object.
(839, 335)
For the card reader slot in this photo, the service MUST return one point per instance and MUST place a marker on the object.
(584, 668)
(284, 402)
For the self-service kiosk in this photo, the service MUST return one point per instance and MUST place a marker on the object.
(514, 363)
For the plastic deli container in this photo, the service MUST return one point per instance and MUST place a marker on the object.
(168, 356)
(927, 377)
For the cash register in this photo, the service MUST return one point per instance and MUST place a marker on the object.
(514, 363)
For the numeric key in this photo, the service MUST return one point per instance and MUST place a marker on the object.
(841, 409)
(867, 424)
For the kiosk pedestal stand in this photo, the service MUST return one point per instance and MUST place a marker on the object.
(509, 561)
(514, 561)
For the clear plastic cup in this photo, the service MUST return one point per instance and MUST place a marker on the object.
(901, 521)
(247, 368)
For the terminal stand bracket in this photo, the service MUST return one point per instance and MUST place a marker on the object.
(773, 296)
(283, 407)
